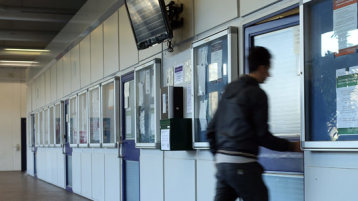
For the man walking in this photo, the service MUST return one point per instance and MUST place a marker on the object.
(237, 130)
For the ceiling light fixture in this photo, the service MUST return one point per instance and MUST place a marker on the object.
(18, 65)
(26, 50)
(20, 62)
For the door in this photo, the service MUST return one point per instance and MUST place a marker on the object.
(23, 145)
(128, 152)
(67, 150)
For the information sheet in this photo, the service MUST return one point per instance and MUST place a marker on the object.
(165, 139)
(347, 100)
(178, 75)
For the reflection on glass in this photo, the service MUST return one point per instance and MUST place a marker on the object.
(283, 86)
(58, 123)
(108, 112)
(73, 121)
(145, 105)
(129, 109)
(94, 115)
(83, 118)
(51, 128)
(46, 135)
(332, 43)
(211, 77)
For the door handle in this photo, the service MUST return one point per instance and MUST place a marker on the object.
(63, 149)
(120, 150)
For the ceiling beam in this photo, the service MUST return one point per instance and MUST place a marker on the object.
(20, 14)
(9, 35)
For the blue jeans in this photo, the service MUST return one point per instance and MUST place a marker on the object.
(242, 180)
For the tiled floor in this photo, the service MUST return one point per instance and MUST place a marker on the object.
(17, 186)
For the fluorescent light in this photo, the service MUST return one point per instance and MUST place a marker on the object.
(26, 50)
(20, 62)
(18, 65)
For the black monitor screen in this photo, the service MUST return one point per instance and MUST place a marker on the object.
(149, 22)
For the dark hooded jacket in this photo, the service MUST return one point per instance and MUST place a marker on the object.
(239, 125)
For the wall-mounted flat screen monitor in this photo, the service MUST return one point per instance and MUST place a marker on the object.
(149, 22)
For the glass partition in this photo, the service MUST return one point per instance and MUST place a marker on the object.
(330, 74)
(41, 127)
(83, 118)
(128, 95)
(58, 124)
(214, 66)
(51, 126)
(46, 133)
(147, 79)
(73, 124)
(109, 112)
(94, 116)
(36, 129)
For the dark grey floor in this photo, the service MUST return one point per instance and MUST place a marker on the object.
(17, 186)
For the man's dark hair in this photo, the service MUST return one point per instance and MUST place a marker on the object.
(258, 56)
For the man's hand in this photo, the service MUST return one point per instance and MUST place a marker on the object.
(296, 146)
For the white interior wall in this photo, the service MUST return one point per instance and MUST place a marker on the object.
(13, 108)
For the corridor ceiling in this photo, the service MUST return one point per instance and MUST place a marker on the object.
(31, 24)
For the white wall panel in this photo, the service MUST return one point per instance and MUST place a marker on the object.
(110, 32)
(76, 171)
(41, 86)
(112, 176)
(331, 184)
(85, 61)
(47, 86)
(179, 173)
(30, 161)
(206, 180)
(151, 175)
(23, 99)
(75, 66)
(67, 74)
(28, 98)
(53, 82)
(86, 173)
(210, 13)
(54, 165)
(128, 53)
(61, 182)
(149, 52)
(98, 175)
(97, 53)
(33, 95)
(49, 156)
(59, 80)
(247, 7)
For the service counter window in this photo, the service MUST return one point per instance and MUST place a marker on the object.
(214, 66)
(41, 127)
(58, 124)
(147, 104)
(128, 105)
(330, 74)
(51, 126)
(46, 125)
(94, 117)
(73, 124)
(83, 119)
(110, 111)
(283, 88)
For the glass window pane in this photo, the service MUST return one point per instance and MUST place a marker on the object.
(36, 129)
(108, 112)
(283, 86)
(73, 121)
(211, 77)
(94, 116)
(45, 127)
(145, 105)
(58, 123)
(41, 128)
(51, 129)
(129, 109)
(83, 118)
